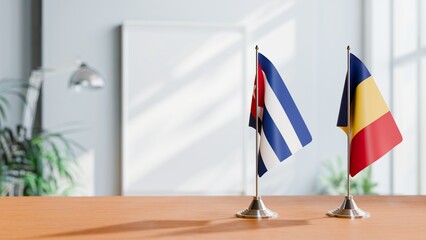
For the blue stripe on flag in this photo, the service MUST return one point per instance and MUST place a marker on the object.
(359, 73)
(261, 166)
(283, 95)
(274, 137)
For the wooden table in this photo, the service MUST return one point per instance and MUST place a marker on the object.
(392, 217)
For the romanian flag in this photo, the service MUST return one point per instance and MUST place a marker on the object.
(281, 127)
(373, 129)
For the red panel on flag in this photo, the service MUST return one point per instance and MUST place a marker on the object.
(374, 141)
(261, 82)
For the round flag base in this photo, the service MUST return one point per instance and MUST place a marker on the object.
(349, 209)
(257, 209)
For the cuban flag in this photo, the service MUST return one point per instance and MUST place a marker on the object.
(281, 127)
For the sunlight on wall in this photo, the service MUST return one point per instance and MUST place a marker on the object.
(185, 132)
(405, 111)
(405, 33)
(198, 57)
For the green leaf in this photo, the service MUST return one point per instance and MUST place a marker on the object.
(30, 181)
(334, 179)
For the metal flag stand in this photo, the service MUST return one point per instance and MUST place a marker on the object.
(348, 209)
(257, 208)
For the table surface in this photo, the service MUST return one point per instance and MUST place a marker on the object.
(300, 217)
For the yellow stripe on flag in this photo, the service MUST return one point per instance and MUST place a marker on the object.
(369, 105)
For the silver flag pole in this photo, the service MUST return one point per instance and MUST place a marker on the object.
(257, 208)
(348, 209)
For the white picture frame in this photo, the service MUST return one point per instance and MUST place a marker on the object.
(194, 160)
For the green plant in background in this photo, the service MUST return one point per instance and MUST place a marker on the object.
(33, 166)
(334, 180)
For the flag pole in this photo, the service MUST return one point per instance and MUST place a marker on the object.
(257, 122)
(348, 209)
(257, 208)
(349, 132)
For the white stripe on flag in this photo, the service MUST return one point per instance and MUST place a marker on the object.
(280, 118)
(269, 157)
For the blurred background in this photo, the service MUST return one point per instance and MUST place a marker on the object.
(172, 117)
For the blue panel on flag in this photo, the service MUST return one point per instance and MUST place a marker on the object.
(283, 95)
(359, 73)
(274, 137)
(286, 109)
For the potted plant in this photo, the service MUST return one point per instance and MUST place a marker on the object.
(37, 165)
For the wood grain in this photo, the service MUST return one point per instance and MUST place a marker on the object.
(300, 217)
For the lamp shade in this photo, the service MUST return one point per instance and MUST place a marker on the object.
(86, 77)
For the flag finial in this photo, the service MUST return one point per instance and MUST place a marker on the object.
(257, 47)
(349, 48)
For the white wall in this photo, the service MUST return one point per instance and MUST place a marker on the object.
(393, 55)
(15, 47)
(305, 39)
(378, 55)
